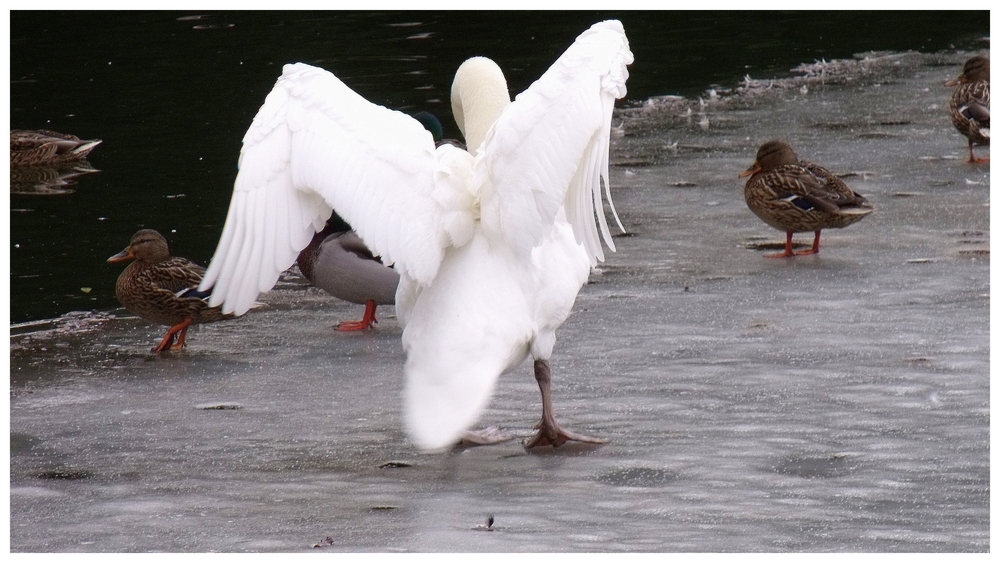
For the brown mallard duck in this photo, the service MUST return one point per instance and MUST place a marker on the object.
(970, 104)
(797, 196)
(44, 147)
(163, 289)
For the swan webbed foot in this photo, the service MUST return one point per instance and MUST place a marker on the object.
(556, 436)
(548, 432)
(485, 437)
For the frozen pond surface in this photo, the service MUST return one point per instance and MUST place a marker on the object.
(837, 402)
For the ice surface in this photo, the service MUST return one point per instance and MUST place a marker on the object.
(837, 402)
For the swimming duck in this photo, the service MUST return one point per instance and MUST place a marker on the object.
(970, 103)
(163, 289)
(492, 244)
(44, 147)
(797, 196)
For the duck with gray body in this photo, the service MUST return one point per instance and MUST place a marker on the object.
(338, 262)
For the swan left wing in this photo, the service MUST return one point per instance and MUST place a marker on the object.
(316, 145)
(549, 148)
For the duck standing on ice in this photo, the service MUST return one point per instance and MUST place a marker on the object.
(162, 288)
(970, 104)
(797, 196)
(492, 244)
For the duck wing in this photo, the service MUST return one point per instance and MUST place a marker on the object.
(549, 148)
(976, 104)
(316, 145)
(810, 186)
(176, 274)
(352, 243)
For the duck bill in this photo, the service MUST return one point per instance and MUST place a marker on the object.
(754, 168)
(954, 82)
(122, 256)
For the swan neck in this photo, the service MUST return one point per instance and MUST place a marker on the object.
(478, 97)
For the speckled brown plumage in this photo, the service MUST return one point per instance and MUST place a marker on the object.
(163, 289)
(797, 196)
(970, 103)
(44, 147)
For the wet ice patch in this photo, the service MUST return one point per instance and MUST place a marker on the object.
(65, 474)
(813, 467)
(638, 477)
(225, 406)
(35, 492)
(395, 465)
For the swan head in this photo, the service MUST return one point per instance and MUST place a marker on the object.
(478, 97)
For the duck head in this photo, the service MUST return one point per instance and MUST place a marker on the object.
(977, 68)
(147, 246)
(771, 155)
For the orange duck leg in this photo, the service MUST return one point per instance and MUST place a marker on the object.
(972, 156)
(788, 248)
(176, 332)
(367, 322)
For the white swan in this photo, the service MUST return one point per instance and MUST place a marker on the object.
(492, 245)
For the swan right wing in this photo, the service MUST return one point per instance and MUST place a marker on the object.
(316, 145)
(549, 149)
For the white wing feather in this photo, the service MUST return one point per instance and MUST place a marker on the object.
(316, 145)
(549, 148)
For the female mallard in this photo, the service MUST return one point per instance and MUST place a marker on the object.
(163, 289)
(797, 196)
(970, 104)
(44, 147)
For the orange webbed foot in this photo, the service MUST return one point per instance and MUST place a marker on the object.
(174, 339)
(367, 322)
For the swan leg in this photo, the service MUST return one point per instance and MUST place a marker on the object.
(788, 248)
(168, 340)
(814, 249)
(548, 431)
(364, 323)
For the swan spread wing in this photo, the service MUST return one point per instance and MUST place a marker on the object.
(316, 145)
(550, 147)
(541, 161)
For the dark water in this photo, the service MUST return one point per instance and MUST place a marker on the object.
(172, 93)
